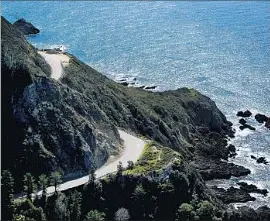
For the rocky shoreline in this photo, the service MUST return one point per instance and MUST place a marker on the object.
(86, 108)
(222, 170)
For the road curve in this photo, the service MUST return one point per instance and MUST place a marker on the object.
(55, 61)
(133, 147)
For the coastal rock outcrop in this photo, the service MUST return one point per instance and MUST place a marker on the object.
(247, 126)
(261, 118)
(262, 160)
(259, 159)
(267, 123)
(232, 195)
(150, 87)
(242, 121)
(216, 169)
(25, 27)
(245, 213)
(246, 113)
(250, 188)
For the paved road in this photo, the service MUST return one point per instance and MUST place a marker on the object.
(133, 147)
(56, 61)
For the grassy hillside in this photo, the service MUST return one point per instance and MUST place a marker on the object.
(154, 158)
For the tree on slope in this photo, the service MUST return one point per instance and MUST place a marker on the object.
(7, 190)
(43, 183)
(122, 214)
(30, 185)
(95, 215)
(56, 179)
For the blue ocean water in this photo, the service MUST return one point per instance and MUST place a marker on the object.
(220, 48)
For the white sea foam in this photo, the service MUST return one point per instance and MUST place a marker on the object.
(62, 47)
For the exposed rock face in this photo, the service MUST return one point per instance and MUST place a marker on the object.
(124, 83)
(252, 188)
(150, 87)
(232, 195)
(261, 118)
(215, 169)
(48, 126)
(261, 160)
(247, 126)
(25, 27)
(267, 123)
(248, 214)
(242, 121)
(246, 113)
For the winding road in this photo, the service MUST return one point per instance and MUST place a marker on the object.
(56, 61)
(133, 146)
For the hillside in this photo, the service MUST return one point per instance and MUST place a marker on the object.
(47, 125)
(70, 124)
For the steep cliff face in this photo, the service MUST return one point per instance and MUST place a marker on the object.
(46, 125)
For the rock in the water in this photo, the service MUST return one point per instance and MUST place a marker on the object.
(150, 87)
(232, 150)
(124, 83)
(261, 118)
(252, 188)
(25, 27)
(245, 213)
(232, 195)
(267, 123)
(262, 160)
(246, 113)
(264, 213)
(240, 113)
(253, 157)
(242, 127)
(242, 121)
(216, 169)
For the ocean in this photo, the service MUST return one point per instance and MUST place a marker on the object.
(220, 48)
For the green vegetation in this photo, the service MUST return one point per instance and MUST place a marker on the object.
(193, 92)
(30, 185)
(122, 214)
(56, 179)
(26, 210)
(153, 158)
(205, 210)
(185, 212)
(7, 191)
(95, 215)
(177, 196)
(43, 181)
